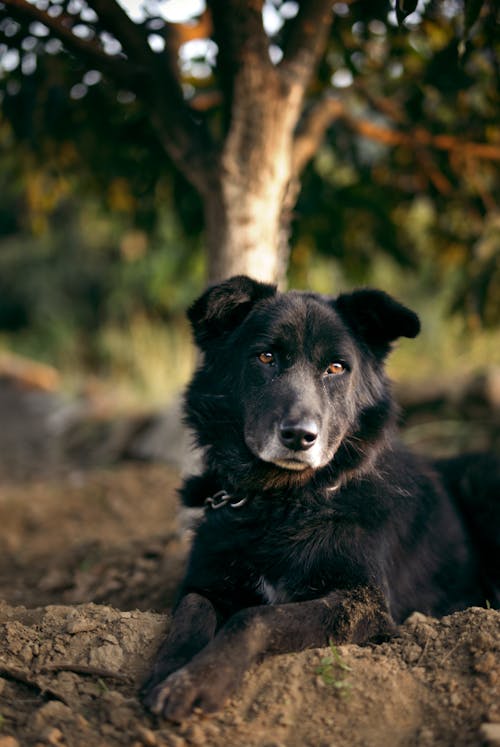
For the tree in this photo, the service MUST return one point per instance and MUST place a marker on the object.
(246, 172)
(244, 142)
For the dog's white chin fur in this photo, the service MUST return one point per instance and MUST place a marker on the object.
(291, 464)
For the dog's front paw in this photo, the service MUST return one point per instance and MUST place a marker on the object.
(188, 688)
(172, 697)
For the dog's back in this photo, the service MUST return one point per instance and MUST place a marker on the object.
(473, 481)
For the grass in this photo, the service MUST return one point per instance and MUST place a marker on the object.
(148, 360)
(332, 670)
(139, 366)
(444, 349)
(144, 363)
(102, 686)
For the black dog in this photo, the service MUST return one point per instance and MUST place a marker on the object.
(319, 526)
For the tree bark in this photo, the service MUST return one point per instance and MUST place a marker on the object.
(246, 216)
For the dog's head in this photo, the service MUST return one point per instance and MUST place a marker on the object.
(293, 378)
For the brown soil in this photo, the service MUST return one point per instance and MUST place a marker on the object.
(85, 559)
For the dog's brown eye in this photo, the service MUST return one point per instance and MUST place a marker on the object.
(266, 358)
(335, 368)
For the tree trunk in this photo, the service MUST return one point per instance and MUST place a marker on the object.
(247, 224)
(247, 215)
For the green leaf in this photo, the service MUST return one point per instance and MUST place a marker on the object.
(338, 659)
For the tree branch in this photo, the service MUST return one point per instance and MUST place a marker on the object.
(306, 42)
(239, 24)
(311, 131)
(320, 117)
(243, 47)
(420, 137)
(116, 67)
(131, 36)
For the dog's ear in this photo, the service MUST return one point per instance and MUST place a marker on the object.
(377, 318)
(224, 306)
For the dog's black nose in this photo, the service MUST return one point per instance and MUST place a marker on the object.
(298, 436)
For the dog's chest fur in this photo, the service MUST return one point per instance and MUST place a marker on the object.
(277, 551)
(272, 593)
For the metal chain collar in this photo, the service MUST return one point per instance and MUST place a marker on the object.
(222, 498)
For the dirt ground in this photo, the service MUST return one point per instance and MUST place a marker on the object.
(90, 565)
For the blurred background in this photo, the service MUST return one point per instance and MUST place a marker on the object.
(121, 125)
(102, 242)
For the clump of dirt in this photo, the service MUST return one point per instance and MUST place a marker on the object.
(70, 676)
(70, 669)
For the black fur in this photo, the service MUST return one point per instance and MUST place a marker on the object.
(341, 532)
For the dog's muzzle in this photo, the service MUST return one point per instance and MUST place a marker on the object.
(298, 435)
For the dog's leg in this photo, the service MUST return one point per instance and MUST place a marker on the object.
(251, 634)
(193, 625)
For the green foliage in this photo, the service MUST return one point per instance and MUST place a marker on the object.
(360, 196)
(332, 671)
(93, 292)
(433, 75)
(100, 235)
(103, 688)
(73, 120)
